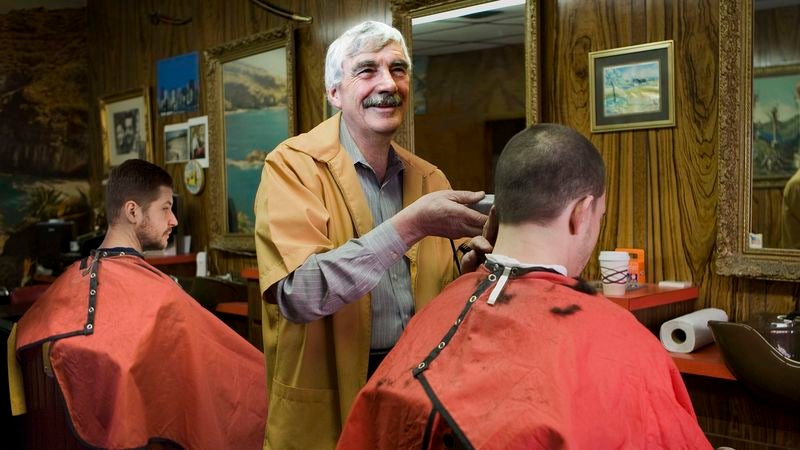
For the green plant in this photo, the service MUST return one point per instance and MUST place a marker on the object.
(44, 202)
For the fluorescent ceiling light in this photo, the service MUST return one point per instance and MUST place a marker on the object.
(465, 11)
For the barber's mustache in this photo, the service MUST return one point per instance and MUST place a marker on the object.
(383, 100)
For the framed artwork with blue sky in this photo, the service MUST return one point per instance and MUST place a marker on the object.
(178, 87)
(632, 87)
(776, 122)
(250, 84)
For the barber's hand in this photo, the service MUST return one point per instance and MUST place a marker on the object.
(440, 213)
(481, 245)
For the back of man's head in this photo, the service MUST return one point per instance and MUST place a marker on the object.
(137, 180)
(365, 37)
(541, 170)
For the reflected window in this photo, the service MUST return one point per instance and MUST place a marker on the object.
(469, 88)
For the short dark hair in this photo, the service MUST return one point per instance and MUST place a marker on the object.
(137, 180)
(541, 170)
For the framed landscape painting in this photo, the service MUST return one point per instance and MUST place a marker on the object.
(176, 143)
(776, 122)
(251, 110)
(632, 87)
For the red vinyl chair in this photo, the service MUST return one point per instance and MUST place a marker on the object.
(26, 295)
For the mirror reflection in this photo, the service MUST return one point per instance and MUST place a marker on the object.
(469, 88)
(775, 216)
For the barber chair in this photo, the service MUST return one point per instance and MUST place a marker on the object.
(762, 356)
(209, 291)
(25, 296)
(184, 282)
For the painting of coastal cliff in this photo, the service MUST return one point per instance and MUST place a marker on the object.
(44, 111)
(256, 120)
(43, 93)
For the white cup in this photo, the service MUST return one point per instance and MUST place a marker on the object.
(614, 272)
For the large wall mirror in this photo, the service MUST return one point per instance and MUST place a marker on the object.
(475, 82)
(759, 138)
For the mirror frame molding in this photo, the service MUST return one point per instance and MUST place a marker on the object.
(734, 210)
(405, 10)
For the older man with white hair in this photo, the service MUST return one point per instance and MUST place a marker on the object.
(353, 236)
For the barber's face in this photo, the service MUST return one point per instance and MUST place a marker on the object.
(373, 92)
(157, 222)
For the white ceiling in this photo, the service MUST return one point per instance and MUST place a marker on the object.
(504, 26)
(473, 32)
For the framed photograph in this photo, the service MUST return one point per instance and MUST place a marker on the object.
(178, 88)
(776, 122)
(198, 140)
(632, 87)
(250, 86)
(176, 143)
(125, 125)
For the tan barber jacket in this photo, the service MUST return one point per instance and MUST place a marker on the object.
(310, 201)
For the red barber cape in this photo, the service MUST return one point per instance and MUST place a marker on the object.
(545, 367)
(144, 360)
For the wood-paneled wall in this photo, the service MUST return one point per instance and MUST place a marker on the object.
(776, 44)
(662, 193)
(766, 214)
(465, 92)
(125, 47)
(662, 184)
(776, 39)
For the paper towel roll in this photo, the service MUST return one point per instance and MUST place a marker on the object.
(686, 334)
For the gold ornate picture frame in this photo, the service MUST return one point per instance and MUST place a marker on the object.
(251, 110)
(632, 87)
(125, 127)
(733, 255)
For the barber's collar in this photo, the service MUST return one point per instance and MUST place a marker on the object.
(508, 261)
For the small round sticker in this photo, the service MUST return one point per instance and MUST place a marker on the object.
(193, 177)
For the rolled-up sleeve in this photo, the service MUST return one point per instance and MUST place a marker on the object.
(327, 281)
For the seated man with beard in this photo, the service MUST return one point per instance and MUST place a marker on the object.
(520, 354)
(137, 360)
